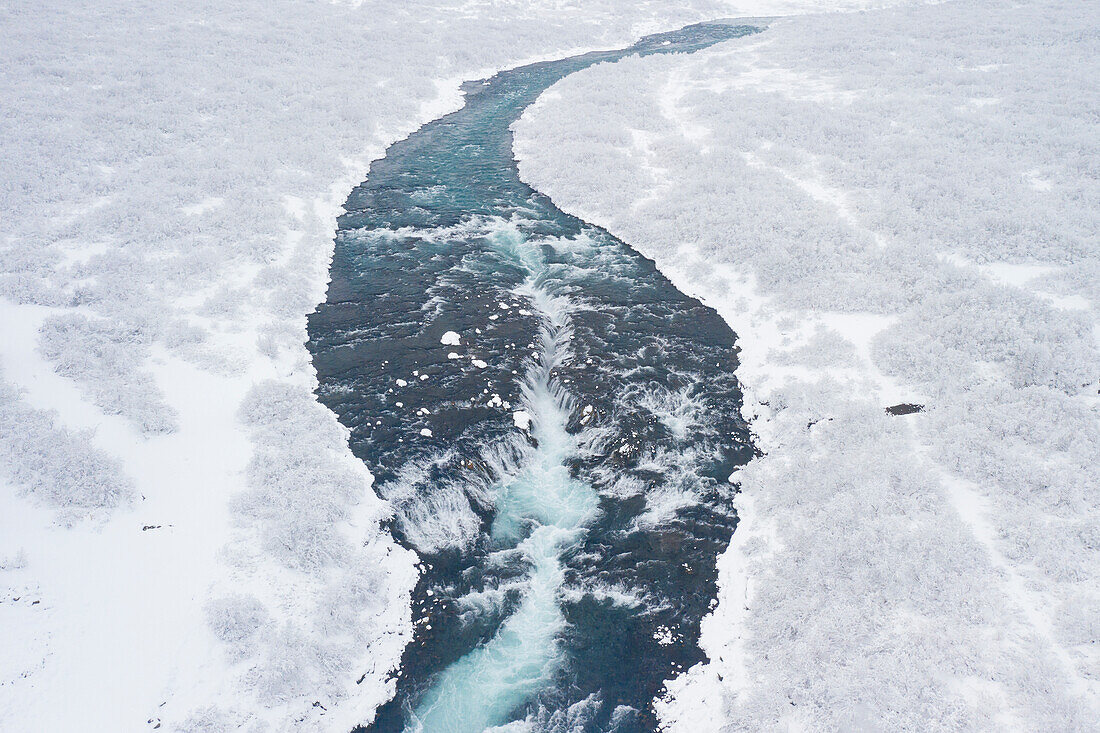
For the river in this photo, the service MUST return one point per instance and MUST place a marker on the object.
(553, 422)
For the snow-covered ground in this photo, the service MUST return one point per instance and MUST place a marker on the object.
(892, 206)
(185, 539)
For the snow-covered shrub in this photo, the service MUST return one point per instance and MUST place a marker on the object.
(1033, 343)
(106, 358)
(301, 482)
(55, 465)
(236, 618)
(824, 348)
(309, 512)
(18, 561)
(215, 719)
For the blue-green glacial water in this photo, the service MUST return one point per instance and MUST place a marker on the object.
(552, 421)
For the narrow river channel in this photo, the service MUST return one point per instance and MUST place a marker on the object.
(552, 421)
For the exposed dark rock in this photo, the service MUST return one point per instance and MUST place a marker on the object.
(904, 408)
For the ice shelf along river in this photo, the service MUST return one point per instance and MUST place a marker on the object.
(553, 422)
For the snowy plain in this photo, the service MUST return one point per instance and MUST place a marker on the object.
(898, 206)
(185, 539)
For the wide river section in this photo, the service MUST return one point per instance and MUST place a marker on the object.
(552, 421)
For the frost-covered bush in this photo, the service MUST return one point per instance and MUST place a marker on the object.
(301, 479)
(823, 348)
(340, 586)
(1033, 343)
(236, 618)
(874, 601)
(106, 358)
(215, 719)
(1038, 447)
(55, 465)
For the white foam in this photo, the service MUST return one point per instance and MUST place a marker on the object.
(483, 687)
(678, 411)
(540, 506)
(431, 520)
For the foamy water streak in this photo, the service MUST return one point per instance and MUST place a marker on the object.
(540, 509)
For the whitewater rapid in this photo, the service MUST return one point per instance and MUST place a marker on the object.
(540, 508)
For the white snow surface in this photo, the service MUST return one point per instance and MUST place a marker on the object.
(185, 539)
(893, 206)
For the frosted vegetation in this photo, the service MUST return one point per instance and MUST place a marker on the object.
(896, 206)
(104, 357)
(56, 466)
